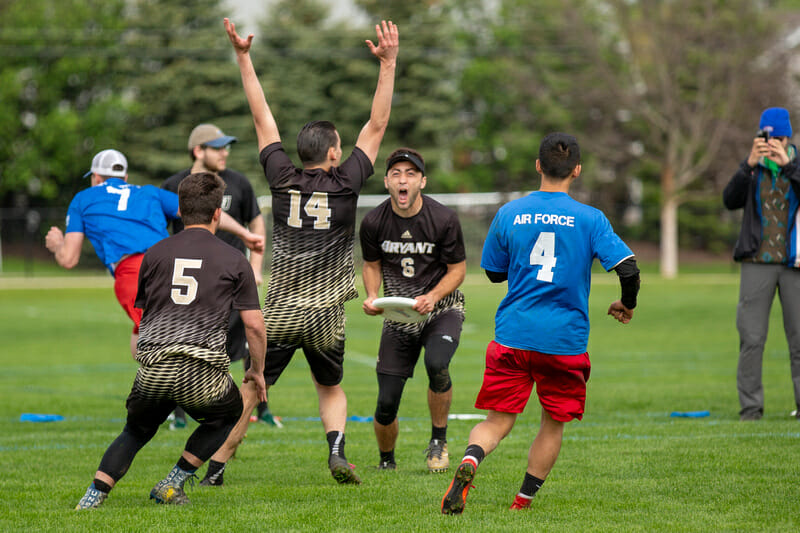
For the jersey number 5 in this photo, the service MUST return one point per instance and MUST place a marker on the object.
(544, 254)
(316, 207)
(184, 287)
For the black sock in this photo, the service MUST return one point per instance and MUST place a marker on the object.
(215, 469)
(262, 406)
(387, 457)
(530, 485)
(475, 451)
(336, 443)
(186, 466)
(439, 433)
(101, 486)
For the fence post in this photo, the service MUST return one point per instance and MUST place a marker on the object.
(32, 222)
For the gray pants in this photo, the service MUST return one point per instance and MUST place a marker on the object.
(756, 293)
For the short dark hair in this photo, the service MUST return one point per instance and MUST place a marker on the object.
(199, 195)
(314, 140)
(559, 154)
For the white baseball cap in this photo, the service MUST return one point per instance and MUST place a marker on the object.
(109, 163)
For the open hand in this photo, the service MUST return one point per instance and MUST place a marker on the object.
(242, 46)
(388, 41)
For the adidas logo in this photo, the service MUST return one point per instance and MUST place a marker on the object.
(406, 235)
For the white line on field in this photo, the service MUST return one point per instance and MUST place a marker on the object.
(360, 358)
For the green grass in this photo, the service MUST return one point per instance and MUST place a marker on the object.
(627, 466)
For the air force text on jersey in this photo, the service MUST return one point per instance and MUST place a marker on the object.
(545, 218)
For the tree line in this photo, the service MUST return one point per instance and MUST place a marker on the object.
(664, 96)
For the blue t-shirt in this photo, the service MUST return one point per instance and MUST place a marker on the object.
(546, 242)
(120, 219)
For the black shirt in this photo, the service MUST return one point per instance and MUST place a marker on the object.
(239, 201)
(314, 214)
(414, 252)
(188, 285)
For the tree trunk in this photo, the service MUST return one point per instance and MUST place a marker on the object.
(669, 225)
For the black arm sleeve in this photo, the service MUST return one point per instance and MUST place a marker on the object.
(629, 281)
(496, 277)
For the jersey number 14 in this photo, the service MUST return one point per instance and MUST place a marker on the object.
(316, 207)
(544, 255)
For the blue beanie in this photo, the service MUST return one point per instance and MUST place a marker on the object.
(778, 119)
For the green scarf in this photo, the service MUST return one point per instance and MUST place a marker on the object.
(772, 166)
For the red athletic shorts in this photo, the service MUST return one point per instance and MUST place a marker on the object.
(511, 373)
(126, 282)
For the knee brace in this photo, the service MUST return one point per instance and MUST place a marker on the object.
(440, 381)
(438, 353)
(390, 390)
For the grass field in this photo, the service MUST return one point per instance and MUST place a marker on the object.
(627, 466)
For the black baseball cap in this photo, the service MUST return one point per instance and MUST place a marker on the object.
(405, 156)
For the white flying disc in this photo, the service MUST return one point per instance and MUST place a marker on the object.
(399, 309)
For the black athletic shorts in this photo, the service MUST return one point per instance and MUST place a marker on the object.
(401, 343)
(149, 406)
(319, 332)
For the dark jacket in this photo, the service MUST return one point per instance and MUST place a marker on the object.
(742, 191)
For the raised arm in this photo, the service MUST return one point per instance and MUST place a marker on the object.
(369, 140)
(266, 127)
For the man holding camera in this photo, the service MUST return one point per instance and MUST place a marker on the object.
(767, 186)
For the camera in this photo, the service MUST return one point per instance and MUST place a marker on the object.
(764, 133)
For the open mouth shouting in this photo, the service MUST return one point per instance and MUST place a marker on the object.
(402, 196)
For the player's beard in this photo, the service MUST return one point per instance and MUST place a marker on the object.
(410, 201)
(217, 167)
(214, 165)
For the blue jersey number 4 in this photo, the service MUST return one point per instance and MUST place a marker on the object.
(543, 254)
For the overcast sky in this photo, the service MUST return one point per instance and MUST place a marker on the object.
(244, 12)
